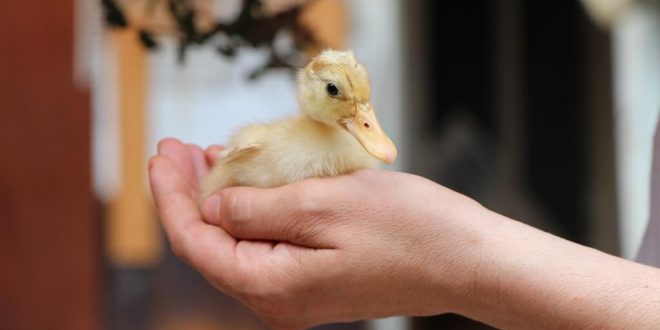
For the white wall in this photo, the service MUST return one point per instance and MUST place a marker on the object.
(204, 100)
(636, 37)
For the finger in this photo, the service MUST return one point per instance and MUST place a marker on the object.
(281, 214)
(176, 151)
(199, 162)
(212, 152)
(207, 248)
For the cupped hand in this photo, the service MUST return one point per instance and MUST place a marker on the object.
(367, 245)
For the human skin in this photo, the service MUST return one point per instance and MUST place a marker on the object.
(379, 243)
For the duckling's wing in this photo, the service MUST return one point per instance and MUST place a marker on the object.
(240, 152)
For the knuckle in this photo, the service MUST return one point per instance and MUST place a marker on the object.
(236, 208)
(307, 200)
(308, 204)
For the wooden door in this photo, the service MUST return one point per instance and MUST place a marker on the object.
(48, 239)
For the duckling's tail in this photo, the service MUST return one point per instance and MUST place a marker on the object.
(223, 173)
(219, 177)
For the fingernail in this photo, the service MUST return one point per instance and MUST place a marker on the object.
(211, 207)
(159, 147)
(151, 162)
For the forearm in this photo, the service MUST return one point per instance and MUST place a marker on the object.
(528, 278)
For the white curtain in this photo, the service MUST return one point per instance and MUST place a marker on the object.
(635, 28)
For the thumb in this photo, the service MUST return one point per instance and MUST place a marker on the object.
(279, 214)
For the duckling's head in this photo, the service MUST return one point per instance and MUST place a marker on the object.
(334, 89)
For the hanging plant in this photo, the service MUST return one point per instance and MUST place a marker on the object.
(253, 27)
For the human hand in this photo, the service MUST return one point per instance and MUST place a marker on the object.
(378, 243)
(367, 245)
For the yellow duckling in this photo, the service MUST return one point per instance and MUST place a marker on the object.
(336, 132)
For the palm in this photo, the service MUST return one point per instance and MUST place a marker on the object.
(175, 175)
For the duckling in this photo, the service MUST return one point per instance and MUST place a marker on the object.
(335, 133)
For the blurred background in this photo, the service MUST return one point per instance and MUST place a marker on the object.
(542, 111)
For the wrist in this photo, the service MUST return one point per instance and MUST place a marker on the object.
(487, 270)
(480, 270)
(487, 265)
(456, 258)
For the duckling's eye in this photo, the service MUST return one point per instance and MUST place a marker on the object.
(332, 89)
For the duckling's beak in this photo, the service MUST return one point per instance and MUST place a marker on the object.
(365, 128)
